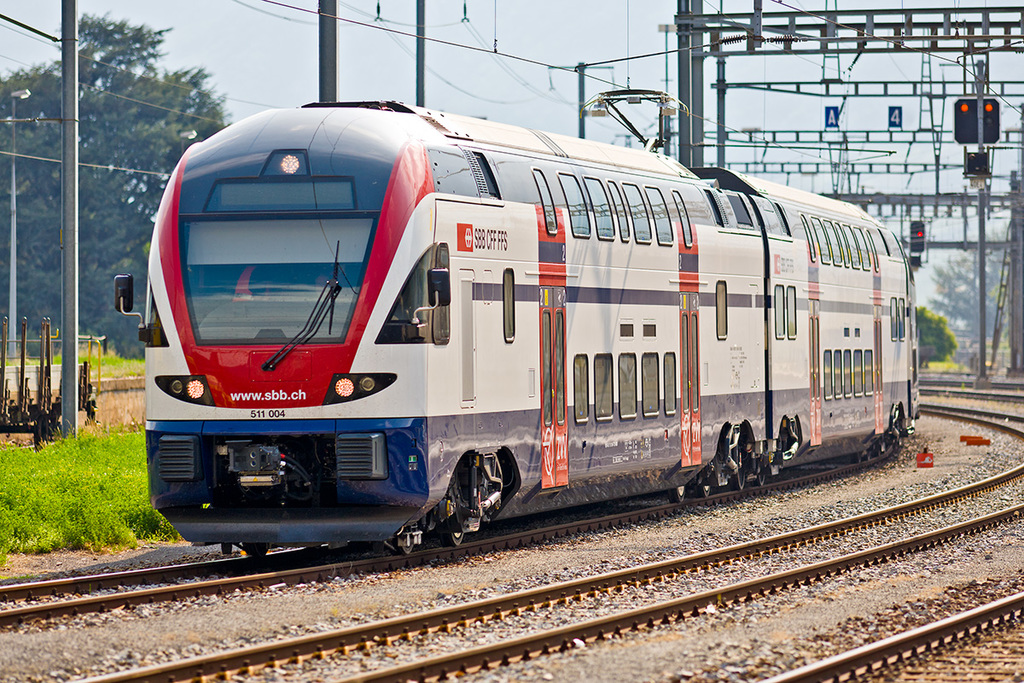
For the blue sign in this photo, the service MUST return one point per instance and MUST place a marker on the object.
(896, 117)
(832, 118)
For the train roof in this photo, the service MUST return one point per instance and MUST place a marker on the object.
(486, 132)
(739, 182)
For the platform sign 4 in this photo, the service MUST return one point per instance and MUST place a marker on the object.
(831, 118)
(896, 117)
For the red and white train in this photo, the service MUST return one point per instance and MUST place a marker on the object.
(369, 321)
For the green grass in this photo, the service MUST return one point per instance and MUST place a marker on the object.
(111, 366)
(89, 492)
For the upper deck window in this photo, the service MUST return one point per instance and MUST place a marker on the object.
(662, 224)
(579, 216)
(550, 220)
(638, 209)
(684, 218)
(602, 209)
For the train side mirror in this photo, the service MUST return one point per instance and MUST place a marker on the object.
(124, 293)
(439, 283)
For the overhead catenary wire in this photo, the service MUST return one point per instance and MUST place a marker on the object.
(105, 167)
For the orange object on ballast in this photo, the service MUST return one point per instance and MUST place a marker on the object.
(925, 460)
(976, 441)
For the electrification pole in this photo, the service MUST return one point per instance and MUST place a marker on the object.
(69, 222)
(328, 50)
(982, 380)
(421, 49)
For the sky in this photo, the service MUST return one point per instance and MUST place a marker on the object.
(263, 54)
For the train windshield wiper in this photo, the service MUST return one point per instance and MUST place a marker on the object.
(323, 308)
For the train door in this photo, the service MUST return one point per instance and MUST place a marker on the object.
(689, 380)
(467, 333)
(689, 419)
(878, 395)
(814, 370)
(554, 438)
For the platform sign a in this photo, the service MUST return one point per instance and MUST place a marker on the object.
(896, 117)
(831, 118)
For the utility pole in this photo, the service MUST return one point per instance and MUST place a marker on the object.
(683, 43)
(581, 77)
(982, 380)
(328, 50)
(421, 47)
(13, 300)
(69, 223)
(1017, 273)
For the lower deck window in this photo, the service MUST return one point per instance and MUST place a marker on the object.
(603, 399)
(627, 386)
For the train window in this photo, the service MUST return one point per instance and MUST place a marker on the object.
(858, 372)
(894, 330)
(638, 211)
(684, 346)
(783, 218)
(826, 374)
(862, 238)
(684, 219)
(847, 374)
(649, 390)
(772, 222)
(740, 209)
(620, 210)
(603, 398)
(821, 237)
(602, 209)
(694, 366)
(627, 386)
(791, 312)
(581, 388)
(722, 309)
(778, 303)
(399, 328)
(579, 216)
(670, 383)
(716, 211)
(837, 374)
(550, 220)
(812, 243)
(662, 222)
(890, 243)
(902, 315)
(855, 258)
(560, 366)
(840, 256)
(869, 373)
(508, 302)
(548, 391)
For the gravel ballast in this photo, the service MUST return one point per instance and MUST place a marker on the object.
(741, 642)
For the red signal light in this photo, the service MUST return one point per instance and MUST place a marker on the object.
(964, 106)
(988, 106)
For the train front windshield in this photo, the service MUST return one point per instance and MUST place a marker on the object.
(257, 281)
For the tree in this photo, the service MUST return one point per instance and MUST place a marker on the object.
(134, 117)
(956, 287)
(937, 341)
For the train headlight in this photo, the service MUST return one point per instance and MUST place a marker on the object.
(344, 387)
(290, 164)
(351, 387)
(188, 388)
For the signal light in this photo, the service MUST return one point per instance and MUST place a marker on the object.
(965, 121)
(916, 238)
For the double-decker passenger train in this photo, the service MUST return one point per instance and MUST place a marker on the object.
(368, 321)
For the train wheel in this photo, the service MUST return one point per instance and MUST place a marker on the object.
(255, 549)
(738, 481)
(761, 476)
(452, 539)
(677, 494)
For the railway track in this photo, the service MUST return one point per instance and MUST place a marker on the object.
(92, 593)
(412, 627)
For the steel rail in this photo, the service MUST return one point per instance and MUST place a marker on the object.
(407, 627)
(902, 647)
(261, 580)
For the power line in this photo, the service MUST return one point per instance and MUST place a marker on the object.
(107, 167)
